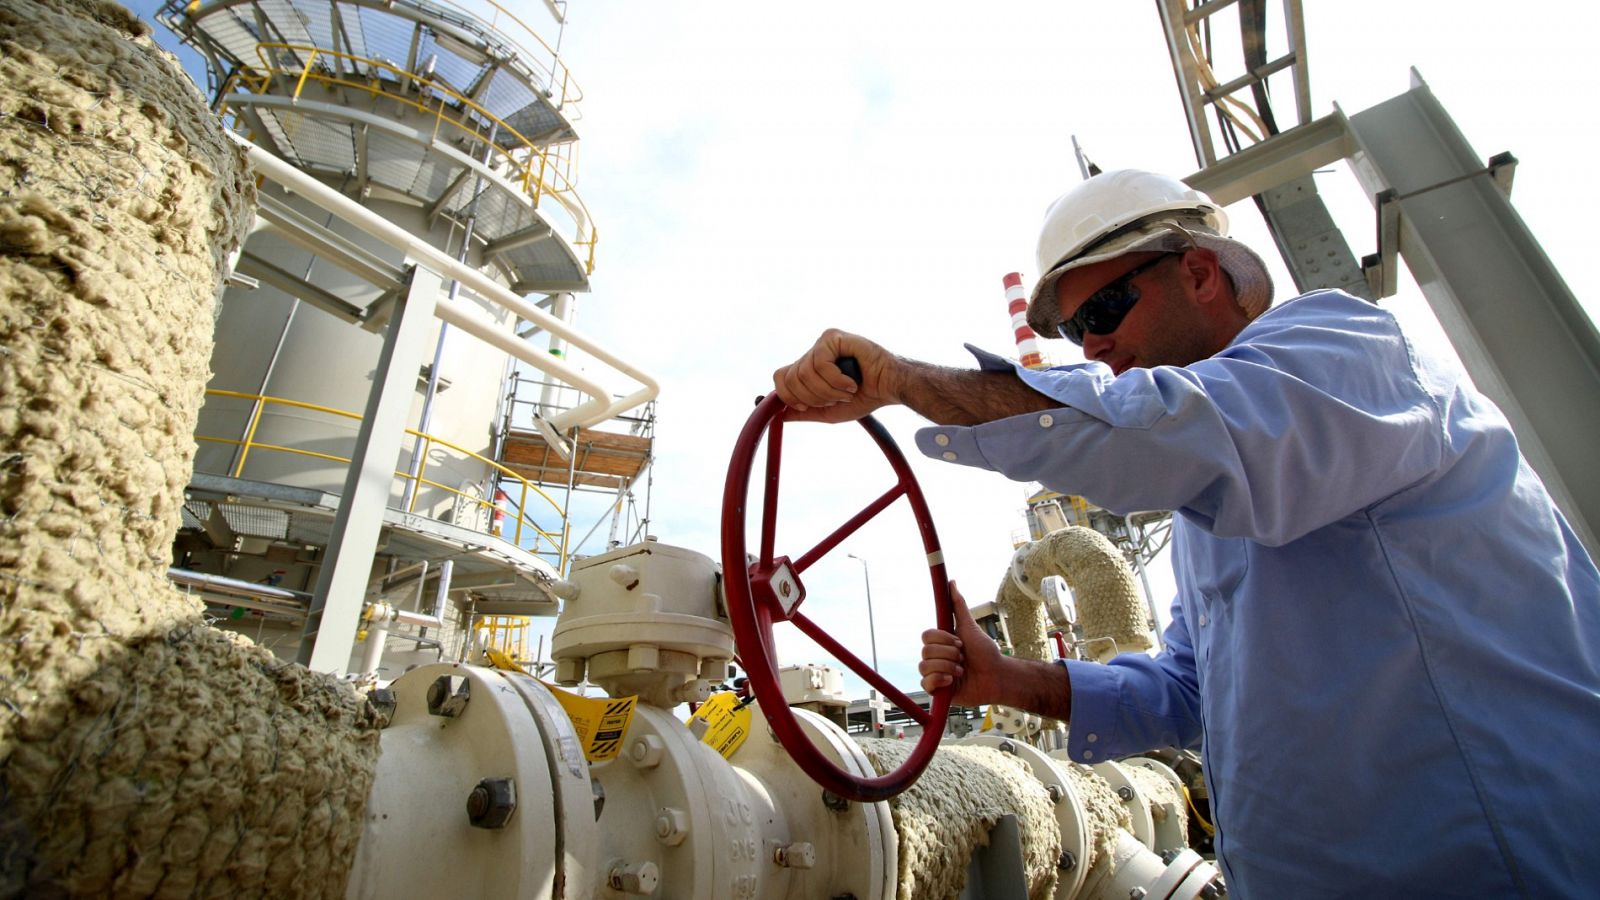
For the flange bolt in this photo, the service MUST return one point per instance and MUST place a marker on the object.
(635, 878)
(491, 803)
(446, 699)
(384, 701)
(672, 825)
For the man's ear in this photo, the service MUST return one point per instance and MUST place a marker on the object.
(1204, 274)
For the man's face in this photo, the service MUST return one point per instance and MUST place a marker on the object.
(1165, 327)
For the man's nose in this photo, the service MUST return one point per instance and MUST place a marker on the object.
(1096, 346)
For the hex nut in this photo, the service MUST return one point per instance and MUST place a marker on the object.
(834, 801)
(446, 699)
(798, 855)
(1057, 794)
(1125, 792)
(635, 878)
(1068, 861)
(646, 752)
(491, 803)
(672, 826)
(384, 701)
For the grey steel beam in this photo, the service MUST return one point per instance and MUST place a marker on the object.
(263, 134)
(538, 231)
(1514, 322)
(308, 234)
(217, 529)
(1312, 246)
(1282, 158)
(330, 626)
(363, 162)
(1295, 19)
(295, 286)
(438, 205)
(1188, 74)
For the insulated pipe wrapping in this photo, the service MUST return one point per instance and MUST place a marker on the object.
(142, 753)
(948, 812)
(1161, 796)
(1108, 817)
(1110, 614)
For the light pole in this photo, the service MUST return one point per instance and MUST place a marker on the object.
(872, 629)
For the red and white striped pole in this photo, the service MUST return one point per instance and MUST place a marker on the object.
(1027, 340)
(501, 499)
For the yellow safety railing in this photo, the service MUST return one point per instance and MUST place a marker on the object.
(508, 634)
(539, 171)
(1080, 510)
(557, 540)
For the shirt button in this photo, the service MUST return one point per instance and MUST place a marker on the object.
(1202, 620)
(1046, 420)
(1092, 738)
(1088, 754)
(942, 440)
(950, 455)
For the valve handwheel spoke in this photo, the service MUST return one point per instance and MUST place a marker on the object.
(767, 588)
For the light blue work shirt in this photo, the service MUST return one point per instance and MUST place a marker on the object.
(1386, 640)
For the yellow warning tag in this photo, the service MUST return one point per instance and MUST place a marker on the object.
(600, 721)
(988, 719)
(727, 723)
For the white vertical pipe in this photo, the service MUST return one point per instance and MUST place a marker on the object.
(561, 306)
(377, 637)
(442, 596)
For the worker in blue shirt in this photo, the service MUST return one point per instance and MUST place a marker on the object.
(1385, 640)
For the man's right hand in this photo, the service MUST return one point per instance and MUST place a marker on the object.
(816, 390)
(969, 660)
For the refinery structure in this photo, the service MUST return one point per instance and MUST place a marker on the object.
(286, 492)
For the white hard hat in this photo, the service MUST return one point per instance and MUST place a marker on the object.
(1128, 211)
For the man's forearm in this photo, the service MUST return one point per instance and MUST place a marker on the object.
(948, 396)
(1038, 687)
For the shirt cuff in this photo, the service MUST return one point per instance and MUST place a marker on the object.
(1056, 382)
(960, 444)
(1095, 691)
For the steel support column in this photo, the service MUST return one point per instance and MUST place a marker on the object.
(330, 627)
(1311, 245)
(1514, 322)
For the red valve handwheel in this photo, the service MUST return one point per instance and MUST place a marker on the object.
(769, 589)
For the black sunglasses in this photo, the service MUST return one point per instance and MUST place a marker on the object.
(1105, 309)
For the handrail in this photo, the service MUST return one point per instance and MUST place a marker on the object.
(561, 85)
(597, 408)
(555, 69)
(554, 170)
(261, 401)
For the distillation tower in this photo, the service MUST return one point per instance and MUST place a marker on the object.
(449, 134)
